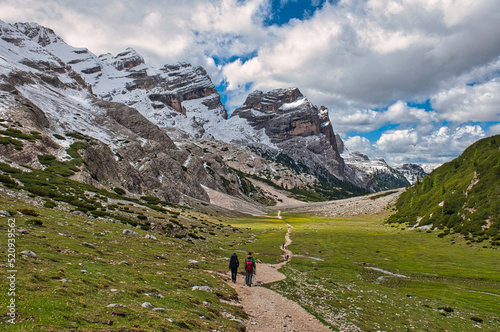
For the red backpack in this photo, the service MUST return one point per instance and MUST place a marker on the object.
(249, 266)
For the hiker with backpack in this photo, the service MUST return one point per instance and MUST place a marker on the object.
(249, 269)
(234, 263)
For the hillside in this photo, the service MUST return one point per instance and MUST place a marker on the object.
(461, 196)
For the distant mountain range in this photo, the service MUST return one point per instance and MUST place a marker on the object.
(149, 130)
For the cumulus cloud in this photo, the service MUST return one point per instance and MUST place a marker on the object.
(469, 103)
(494, 129)
(397, 141)
(443, 144)
(360, 144)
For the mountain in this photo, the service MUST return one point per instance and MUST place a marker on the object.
(148, 130)
(175, 96)
(53, 120)
(296, 130)
(460, 196)
(413, 173)
(385, 176)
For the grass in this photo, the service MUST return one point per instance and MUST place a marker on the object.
(84, 264)
(341, 290)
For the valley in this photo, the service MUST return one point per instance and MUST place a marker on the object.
(352, 272)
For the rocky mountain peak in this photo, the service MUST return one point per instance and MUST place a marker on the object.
(272, 100)
(39, 34)
(129, 59)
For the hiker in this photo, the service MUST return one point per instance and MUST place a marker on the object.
(234, 263)
(249, 269)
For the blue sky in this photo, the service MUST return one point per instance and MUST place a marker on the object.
(408, 81)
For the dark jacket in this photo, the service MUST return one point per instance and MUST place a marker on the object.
(234, 262)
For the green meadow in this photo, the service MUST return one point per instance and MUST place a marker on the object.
(90, 276)
(362, 273)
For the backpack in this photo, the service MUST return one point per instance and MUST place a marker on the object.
(249, 266)
(233, 263)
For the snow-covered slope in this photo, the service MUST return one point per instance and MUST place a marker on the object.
(176, 96)
(385, 176)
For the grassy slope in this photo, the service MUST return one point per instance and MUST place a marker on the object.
(461, 196)
(70, 284)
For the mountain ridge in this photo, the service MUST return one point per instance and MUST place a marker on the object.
(70, 90)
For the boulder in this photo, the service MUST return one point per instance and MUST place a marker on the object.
(28, 253)
(129, 232)
(202, 288)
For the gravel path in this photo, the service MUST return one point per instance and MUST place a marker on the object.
(268, 310)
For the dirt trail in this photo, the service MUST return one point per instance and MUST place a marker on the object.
(268, 310)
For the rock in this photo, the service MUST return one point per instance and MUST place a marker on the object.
(119, 313)
(158, 309)
(151, 237)
(129, 232)
(89, 245)
(146, 305)
(28, 253)
(4, 213)
(193, 262)
(114, 290)
(80, 213)
(115, 305)
(202, 288)
(23, 231)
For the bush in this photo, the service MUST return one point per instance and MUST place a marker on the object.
(119, 191)
(34, 222)
(7, 181)
(151, 200)
(49, 204)
(28, 212)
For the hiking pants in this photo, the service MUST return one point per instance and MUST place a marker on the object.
(248, 279)
(234, 273)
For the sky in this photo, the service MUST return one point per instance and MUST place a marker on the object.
(410, 81)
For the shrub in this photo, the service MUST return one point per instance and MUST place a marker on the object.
(49, 204)
(7, 181)
(119, 191)
(28, 212)
(151, 200)
(34, 222)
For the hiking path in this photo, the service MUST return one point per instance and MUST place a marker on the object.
(268, 310)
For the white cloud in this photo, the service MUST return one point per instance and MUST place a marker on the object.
(397, 141)
(494, 130)
(443, 144)
(470, 103)
(362, 59)
(360, 144)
